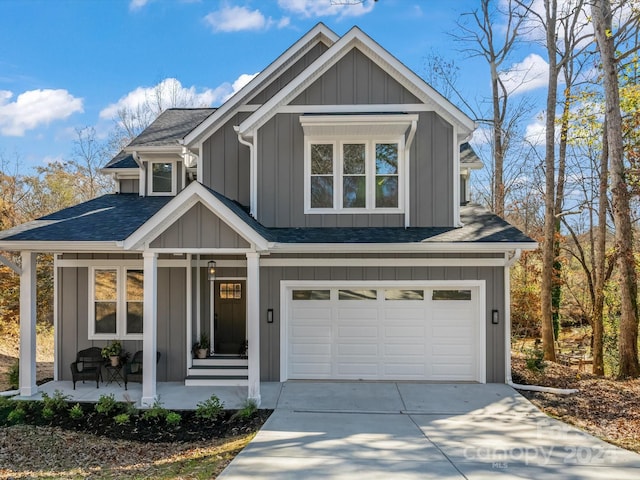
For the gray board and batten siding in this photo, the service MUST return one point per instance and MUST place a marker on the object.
(73, 322)
(73, 310)
(199, 228)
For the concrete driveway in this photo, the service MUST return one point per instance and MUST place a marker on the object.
(419, 431)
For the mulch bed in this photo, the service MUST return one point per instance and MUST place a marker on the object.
(604, 407)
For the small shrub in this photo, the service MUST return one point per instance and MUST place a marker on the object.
(122, 419)
(13, 375)
(249, 408)
(76, 412)
(210, 409)
(17, 415)
(173, 418)
(106, 404)
(534, 359)
(55, 403)
(47, 413)
(156, 412)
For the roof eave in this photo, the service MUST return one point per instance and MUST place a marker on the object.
(415, 247)
(60, 247)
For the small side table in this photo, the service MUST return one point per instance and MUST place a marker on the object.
(114, 373)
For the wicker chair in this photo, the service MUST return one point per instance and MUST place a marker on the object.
(88, 366)
(133, 369)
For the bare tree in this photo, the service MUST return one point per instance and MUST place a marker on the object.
(606, 41)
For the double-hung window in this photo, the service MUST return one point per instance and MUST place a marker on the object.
(355, 163)
(354, 175)
(116, 303)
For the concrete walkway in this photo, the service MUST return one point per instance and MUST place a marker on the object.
(372, 430)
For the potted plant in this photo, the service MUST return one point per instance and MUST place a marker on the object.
(113, 352)
(201, 348)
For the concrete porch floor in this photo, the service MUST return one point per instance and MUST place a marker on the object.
(172, 395)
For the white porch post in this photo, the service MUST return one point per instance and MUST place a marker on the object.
(150, 327)
(253, 324)
(28, 385)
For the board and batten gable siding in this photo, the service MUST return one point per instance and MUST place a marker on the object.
(129, 185)
(270, 278)
(281, 180)
(199, 228)
(73, 323)
(226, 162)
(289, 74)
(355, 79)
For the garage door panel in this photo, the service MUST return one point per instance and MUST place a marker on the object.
(419, 339)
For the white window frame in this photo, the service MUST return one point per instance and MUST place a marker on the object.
(370, 173)
(121, 304)
(174, 178)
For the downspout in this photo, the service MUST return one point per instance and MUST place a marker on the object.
(509, 262)
(407, 174)
(252, 172)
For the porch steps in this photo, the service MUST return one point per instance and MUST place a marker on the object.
(219, 370)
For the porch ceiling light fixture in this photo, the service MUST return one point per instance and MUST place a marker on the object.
(211, 270)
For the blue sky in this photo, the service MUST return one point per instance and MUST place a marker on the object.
(69, 64)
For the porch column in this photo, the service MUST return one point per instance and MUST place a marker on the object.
(28, 317)
(253, 324)
(150, 329)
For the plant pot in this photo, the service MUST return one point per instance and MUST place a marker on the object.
(201, 353)
(115, 360)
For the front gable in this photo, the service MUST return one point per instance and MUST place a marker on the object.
(199, 228)
(355, 79)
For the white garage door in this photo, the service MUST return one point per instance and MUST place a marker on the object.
(384, 332)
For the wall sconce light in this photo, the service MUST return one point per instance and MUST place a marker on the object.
(211, 270)
(495, 317)
(270, 315)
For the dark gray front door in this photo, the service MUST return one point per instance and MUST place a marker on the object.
(230, 316)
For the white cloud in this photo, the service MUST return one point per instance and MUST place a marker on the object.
(529, 74)
(35, 108)
(536, 131)
(482, 135)
(316, 8)
(238, 19)
(171, 93)
(137, 4)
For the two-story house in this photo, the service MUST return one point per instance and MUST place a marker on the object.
(317, 223)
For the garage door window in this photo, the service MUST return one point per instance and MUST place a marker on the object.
(451, 295)
(401, 294)
(311, 295)
(357, 294)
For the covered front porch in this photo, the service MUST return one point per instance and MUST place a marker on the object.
(172, 395)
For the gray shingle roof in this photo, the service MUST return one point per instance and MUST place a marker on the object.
(122, 160)
(468, 156)
(108, 218)
(115, 217)
(172, 125)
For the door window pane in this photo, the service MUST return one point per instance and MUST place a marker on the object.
(135, 298)
(357, 294)
(401, 294)
(161, 177)
(451, 295)
(311, 294)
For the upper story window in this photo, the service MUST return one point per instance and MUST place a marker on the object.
(355, 163)
(354, 175)
(162, 178)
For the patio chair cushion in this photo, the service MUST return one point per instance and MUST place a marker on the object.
(88, 366)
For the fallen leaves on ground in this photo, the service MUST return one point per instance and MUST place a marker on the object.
(604, 407)
(28, 451)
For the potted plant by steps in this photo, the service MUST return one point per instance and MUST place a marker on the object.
(113, 352)
(201, 348)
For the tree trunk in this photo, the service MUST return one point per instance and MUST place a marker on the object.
(597, 320)
(628, 335)
(546, 301)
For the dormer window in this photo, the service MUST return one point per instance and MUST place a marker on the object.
(162, 178)
(354, 163)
